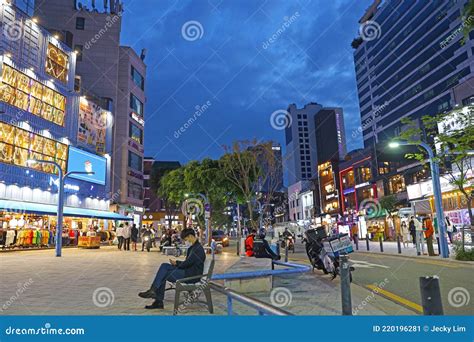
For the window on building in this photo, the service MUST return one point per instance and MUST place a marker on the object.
(137, 78)
(396, 184)
(384, 168)
(135, 133)
(80, 23)
(135, 161)
(135, 190)
(136, 104)
(365, 174)
(78, 49)
(468, 101)
(348, 179)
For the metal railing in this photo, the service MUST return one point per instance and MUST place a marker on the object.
(261, 307)
(292, 268)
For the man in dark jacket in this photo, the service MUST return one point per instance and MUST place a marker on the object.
(175, 270)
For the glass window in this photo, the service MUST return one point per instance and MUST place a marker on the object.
(57, 63)
(80, 23)
(136, 104)
(348, 179)
(396, 184)
(135, 161)
(138, 78)
(135, 133)
(135, 190)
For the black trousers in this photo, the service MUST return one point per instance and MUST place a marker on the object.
(120, 242)
(126, 244)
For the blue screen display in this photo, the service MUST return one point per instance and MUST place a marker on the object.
(80, 160)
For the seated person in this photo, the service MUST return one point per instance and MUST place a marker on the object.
(249, 243)
(261, 248)
(175, 270)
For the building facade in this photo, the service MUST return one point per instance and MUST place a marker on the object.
(114, 74)
(40, 121)
(412, 63)
(300, 157)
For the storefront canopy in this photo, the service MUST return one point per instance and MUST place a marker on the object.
(49, 209)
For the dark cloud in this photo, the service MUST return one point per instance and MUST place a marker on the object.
(235, 67)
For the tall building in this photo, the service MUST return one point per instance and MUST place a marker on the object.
(114, 73)
(408, 59)
(300, 158)
(39, 123)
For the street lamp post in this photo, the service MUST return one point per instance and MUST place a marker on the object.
(434, 166)
(59, 226)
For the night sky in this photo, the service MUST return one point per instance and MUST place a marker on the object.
(231, 67)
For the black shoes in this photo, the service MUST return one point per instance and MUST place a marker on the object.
(148, 294)
(157, 304)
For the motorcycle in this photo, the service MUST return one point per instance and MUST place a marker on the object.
(288, 241)
(147, 242)
(321, 257)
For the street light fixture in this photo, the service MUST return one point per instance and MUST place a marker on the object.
(436, 191)
(59, 228)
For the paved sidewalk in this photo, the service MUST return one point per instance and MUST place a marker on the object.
(107, 281)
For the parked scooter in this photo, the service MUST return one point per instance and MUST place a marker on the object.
(147, 242)
(319, 257)
(288, 241)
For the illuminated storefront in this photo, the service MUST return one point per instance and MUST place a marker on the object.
(329, 194)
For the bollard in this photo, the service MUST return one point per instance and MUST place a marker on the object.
(399, 245)
(367, 242)
(431, 296)
(345, 286)
(238, 246)
(381, 243)
(286, 252)
(356, 240)
(439, 246)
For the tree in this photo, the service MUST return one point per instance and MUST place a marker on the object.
(171, 190)
(240, 167)
(388, 203)
(159, 170)
(468, 19)
(453, 134)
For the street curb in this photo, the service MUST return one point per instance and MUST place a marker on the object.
(460, 262)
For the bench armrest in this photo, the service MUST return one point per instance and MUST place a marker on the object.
(184, 280)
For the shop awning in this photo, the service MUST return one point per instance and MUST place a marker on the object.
(50, 209)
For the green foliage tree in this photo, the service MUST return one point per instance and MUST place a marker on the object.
(453, 135)
(389, 203)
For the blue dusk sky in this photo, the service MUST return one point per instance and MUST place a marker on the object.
(235, 62)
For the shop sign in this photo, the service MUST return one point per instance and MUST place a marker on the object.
(80, 160)
(362, 185)
(135, 145)
(137, 118)
(331, 196)
(348, 191)
(135, 174)
(138, 209)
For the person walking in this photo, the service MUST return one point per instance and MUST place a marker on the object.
(127, 233)
(449, 229)
(429, 232)
(412, 230)
(355, 233)
(404, 234)
(134, 237)
(119, 234)
(419, 236)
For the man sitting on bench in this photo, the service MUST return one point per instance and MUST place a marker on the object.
(175, 270)
(261, 248)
